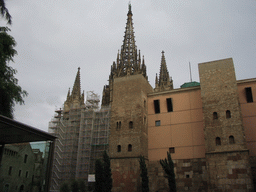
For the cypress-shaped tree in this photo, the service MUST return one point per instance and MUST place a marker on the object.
(64, 187)
(168, 167)
(74, 186)
(107, 173)
(143, 174)
(99, 178)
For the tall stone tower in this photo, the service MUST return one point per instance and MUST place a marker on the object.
(227, 158)
(128, 88)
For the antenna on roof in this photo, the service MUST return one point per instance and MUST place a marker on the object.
(190, 72)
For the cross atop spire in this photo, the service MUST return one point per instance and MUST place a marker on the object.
(164, 82)
(130, 8)
(128, 61)
(76, 92)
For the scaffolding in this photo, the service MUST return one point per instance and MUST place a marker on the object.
(82, 138)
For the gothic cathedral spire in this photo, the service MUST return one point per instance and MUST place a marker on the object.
(128, 60)
(164, 82)
(76, 99)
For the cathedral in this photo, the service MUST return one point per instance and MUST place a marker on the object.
(207, 126)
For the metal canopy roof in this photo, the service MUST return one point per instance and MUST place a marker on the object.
(12, 131)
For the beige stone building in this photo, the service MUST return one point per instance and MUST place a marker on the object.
(208, 127)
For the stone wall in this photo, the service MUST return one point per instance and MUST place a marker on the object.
(229, 171)
(190, 175)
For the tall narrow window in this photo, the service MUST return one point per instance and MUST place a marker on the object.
(26, 174)
(228, 114)
(248, 92)
(215, 115)
(129, 147)
(10, 170)
(25, 158)
(218, 141)
(119, 148)
(169, 104)
(231, 139)
(119, 125)
(130, 124)
(157, 106)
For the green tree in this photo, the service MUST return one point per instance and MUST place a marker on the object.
(107, 175)
(168, 167)
(4, 12)
(74, 186)
(81, 185)
(143, 174)
(99, 180)
(64, 187)
(10, 91)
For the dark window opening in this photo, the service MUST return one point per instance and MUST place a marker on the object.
(228, 114)
(25, 158)
(119, 124)
(248, 92)
(215, 115)
(157, 106)
(6, 187)
(10, 170)
(218, 141)
(231, 139)
(26, 174)
(145, 120)
(129, 147)
(119, 148)
(171, 150)
(169, 104)
(187, 176)
(158, 123)
(130, 124)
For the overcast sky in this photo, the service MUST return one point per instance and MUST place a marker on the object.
(56, 37)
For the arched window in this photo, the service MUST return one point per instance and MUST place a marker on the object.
(118, 148)
(130, 124)
(215, 115)
(129, 147)
(228, 114)
(218, 141)
(6, 188)
(21, 188)
(231, 139)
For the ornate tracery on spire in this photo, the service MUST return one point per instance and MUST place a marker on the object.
(75, 99)
(128, 61)
(164, 82)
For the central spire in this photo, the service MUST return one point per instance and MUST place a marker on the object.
(128, 61)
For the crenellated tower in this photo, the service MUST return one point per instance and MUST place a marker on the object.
(127, 93)
(164, 82)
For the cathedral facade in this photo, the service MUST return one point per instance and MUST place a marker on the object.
(208, 127)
